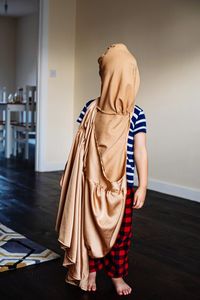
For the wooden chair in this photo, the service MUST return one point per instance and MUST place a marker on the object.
(3, 130)
(22, 130)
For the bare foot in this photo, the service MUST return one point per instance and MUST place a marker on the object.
(121, 286)
(92, 281)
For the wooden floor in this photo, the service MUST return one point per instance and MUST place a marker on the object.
(164, 260)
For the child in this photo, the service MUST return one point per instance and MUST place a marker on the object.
(97, 196)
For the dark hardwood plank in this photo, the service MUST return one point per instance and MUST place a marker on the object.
(164, 257)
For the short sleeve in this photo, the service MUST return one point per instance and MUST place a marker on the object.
(83, 111)
(140, 124)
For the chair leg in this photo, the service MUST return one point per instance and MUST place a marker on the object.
(26, 146)
(1, 140)
(14, 142)
(4, 139)
(19, 144)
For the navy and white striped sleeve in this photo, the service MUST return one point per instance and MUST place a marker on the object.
(140, 124)
(82, 113)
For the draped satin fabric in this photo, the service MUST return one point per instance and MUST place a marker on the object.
(93, 191)
(119, 85)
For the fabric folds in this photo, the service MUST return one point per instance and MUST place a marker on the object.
(93, 191)
(91, 207)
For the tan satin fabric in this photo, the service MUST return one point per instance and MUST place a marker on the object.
(93, 192)
(120, 80)
(119, 85)
(91, 207)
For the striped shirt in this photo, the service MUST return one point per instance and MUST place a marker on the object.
(137, 124)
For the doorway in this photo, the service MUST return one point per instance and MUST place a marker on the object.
(19, 33)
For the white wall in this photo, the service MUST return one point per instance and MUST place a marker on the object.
(7, 53)
(164, 36)
(27, 50)
(56, 94)
(18, 51)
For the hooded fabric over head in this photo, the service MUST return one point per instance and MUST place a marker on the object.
(119, 85)
(93, 192)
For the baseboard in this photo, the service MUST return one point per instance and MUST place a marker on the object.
(51, 167)
(172, 189)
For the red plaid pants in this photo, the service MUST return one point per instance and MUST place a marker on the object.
(115, 263)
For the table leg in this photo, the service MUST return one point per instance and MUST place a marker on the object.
(8, 134)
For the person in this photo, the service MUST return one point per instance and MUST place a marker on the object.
(94, 218)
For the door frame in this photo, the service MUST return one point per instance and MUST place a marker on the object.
(42, 86)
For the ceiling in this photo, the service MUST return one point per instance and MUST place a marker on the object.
(17, 8)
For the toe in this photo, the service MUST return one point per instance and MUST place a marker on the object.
(124, 292)
(120, 292)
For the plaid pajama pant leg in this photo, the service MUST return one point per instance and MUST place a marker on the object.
(115, 263)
